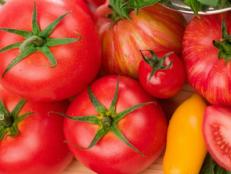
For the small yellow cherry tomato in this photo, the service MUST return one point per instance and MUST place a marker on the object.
(186, 149)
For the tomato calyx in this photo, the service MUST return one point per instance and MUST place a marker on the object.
(155, 62)
(9, 120)
(2, 2)
(36, 40)
(122, 8)
(107, 119)
(224, 45)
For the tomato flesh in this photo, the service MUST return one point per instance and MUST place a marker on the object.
(217, 134)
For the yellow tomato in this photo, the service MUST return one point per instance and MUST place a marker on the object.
(186, 150)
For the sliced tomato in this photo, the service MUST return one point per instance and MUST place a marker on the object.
(217, 133)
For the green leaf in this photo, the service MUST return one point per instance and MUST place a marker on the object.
(35, 25)
(3, 110)
(11, 46)
(120, 9)
(22, 33)
(23, 117)
(119, 134)
(50, 28)
(225, 33)
(99, 135)
(137, 4)
(19, 58)
(18, 108)
(87, 119)
(213, 3)
(122, 114)
(210, 167)
(47, 52)
(57, 41)
(98, 106)
(115, 99)
(3, 132)
(13, 131)
(194, 4)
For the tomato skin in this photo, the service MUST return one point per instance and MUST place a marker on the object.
(40, 146)
(186, 149)
(33, 78)
(216, 129)
(154, 28)
(164, 83)
(96, 2)
(111, 155)
(208, 74)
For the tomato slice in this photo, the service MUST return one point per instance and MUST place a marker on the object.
(217, 133)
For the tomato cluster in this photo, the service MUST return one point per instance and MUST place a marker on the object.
(88, 82)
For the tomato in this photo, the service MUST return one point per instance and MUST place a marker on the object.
(135, 139)
(96, 2)
(34, 145)
(207, 60)
(80, 3)
(161, 75)
(153, 28)
(186, 149)
(71, 65)
(216, 128)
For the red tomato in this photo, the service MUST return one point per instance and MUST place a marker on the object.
(80, 3)
(77, 62)
(209, 68)
(216, 128)
(162, 75)
(154, 28)
(39, 147)
(144, 128)
(96, 2)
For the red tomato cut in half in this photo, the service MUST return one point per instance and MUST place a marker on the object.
(217, 133)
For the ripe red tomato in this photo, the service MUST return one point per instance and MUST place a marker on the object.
(209, 67)
(119, 143)
(154, 28)
(74, 63)
(96, 2)
(39, 146)
(216, 128)
(161, 75)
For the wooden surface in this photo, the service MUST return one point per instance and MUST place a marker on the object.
(77, 168)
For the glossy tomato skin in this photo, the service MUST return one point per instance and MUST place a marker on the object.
(164, 83)
(216, 129)
(78, 63)
(40, 147)
(144, 128)
(154, 28)
(208, 74)
(96, 2)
